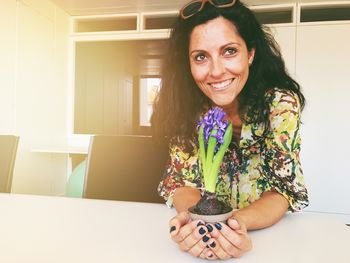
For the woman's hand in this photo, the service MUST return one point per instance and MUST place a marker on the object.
(191, 236)
(231, 240)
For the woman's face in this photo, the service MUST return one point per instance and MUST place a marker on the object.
(219, 61)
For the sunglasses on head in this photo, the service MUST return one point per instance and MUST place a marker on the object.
(196, 6)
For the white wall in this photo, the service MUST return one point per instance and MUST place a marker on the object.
(323, 69)
(33, 98)
(7, 66)
(33, 101)
(286, 38)
(103, 87)
(318, 56)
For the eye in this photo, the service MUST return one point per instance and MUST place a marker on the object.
(230, 51)
(199, 57)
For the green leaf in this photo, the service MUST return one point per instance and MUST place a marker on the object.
(214, 171)
(202, 149)
(208, 184)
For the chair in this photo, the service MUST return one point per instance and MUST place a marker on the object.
(75, 183)
(8, 150)
(127, 168)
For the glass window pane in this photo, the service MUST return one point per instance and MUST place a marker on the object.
(149, 88)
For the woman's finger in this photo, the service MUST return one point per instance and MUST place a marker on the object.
(197, 248)
(193, 238)
(202, 254)
(244, 242)
(215, 246)
(235, 225)
(208, 254)
(186, 230)
(178, 221)
(235, 243)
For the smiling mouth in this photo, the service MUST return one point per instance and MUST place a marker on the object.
(221, 85)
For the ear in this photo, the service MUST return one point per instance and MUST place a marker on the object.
(251, 54)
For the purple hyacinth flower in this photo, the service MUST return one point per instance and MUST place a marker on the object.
(214, 120)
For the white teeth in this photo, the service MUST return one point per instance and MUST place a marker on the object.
(221, 85)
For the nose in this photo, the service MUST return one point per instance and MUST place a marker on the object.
(217, 68)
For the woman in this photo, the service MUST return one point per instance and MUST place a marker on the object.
(220, 55)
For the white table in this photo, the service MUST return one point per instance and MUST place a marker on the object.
(57, 229)
(61, 150)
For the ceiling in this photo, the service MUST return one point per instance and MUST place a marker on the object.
(98, 7)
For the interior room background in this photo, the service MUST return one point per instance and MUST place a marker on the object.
(67, 73)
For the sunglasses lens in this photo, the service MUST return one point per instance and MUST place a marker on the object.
(192, 8)
(222, 2)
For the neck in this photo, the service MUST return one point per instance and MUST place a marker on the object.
(232, 111)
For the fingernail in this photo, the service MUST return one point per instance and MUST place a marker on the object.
(200, 223)
(201, 231)
(210, 255)
(210, 228)
(205, 238)
(213, 244)
(173, 228)
(218, 226)
(207, 246)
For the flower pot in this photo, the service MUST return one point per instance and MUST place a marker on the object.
(210, 209)
(210, 218)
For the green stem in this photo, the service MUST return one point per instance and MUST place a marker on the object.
(214, 171)
(202, 149)
(209, 160)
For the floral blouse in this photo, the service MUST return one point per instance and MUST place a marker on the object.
(266, 159)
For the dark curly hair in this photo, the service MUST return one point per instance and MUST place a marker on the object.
(180, 102)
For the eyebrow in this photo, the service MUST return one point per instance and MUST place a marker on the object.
(222, 47)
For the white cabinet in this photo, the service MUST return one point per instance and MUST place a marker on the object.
(323, 70)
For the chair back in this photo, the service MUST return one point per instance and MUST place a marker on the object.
(127, 168)
(8, 150)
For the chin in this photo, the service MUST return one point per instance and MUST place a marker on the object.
(223, 103)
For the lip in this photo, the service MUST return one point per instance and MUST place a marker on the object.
(221, 85)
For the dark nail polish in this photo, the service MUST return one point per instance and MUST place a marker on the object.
(173, 228)
(200, 223)
(205, 238)
(218, 226)
(207, 246)
(201, 231)
(210, 228)
(213, 244)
